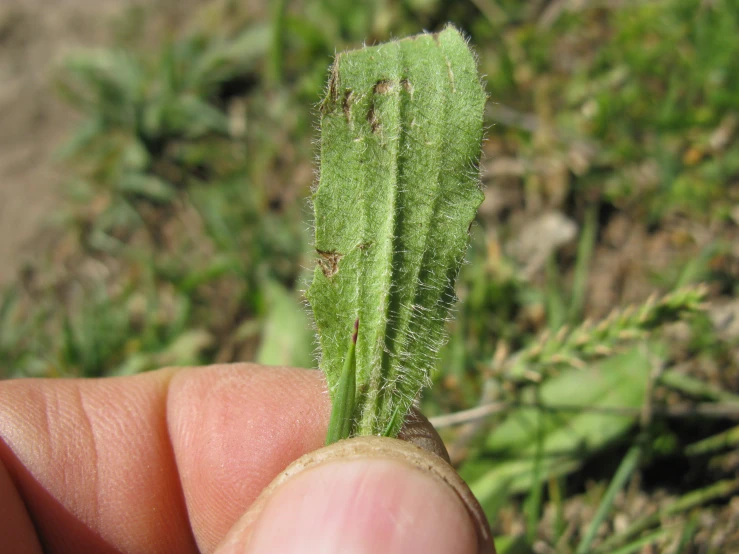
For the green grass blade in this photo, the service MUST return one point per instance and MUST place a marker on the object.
(689, 501)
(342, 411)
(554, 297)
(277, 46)
(401, 129)
(533, 507)
(639, 544)
(585, 248)
(724, 440)
(687, 535)
(556, 490)
(694, 387)
(624, 472)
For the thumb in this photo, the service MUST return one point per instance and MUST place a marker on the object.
(360, 496)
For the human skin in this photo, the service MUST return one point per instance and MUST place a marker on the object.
(174, 460)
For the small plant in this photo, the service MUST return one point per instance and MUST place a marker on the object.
(589, 342)
(401, 129)
(154, 125)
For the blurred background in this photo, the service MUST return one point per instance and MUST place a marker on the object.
(155, 164)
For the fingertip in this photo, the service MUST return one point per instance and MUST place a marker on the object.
(361, 496)
(361, 506)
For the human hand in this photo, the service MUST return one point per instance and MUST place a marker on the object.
(175, 461)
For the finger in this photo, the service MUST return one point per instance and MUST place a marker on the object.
(417, 430)
(233, 431)
(95, 465)
(364, 495)
(16, 528)
(156, 462)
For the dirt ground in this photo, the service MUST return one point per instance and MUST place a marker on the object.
(34, 36)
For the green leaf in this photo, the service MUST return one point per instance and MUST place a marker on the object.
(192, 118)
(570, 436)
(401, 127)
(230, 59)
(147, 186)
(184, 350)
(286, 339)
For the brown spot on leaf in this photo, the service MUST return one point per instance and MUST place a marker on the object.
(372, 118)
(382, 86)
(407, 86)
(332, 97)
(347, 104)
(329, 262)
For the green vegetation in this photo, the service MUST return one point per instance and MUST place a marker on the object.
(401, 127)
(610, 171)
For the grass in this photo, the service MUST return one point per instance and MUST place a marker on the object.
(186, 239)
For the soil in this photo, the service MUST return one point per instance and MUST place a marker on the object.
(34, 36)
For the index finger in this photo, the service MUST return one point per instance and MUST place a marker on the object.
(164, 461)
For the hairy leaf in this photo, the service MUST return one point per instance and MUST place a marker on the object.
(401, 127)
